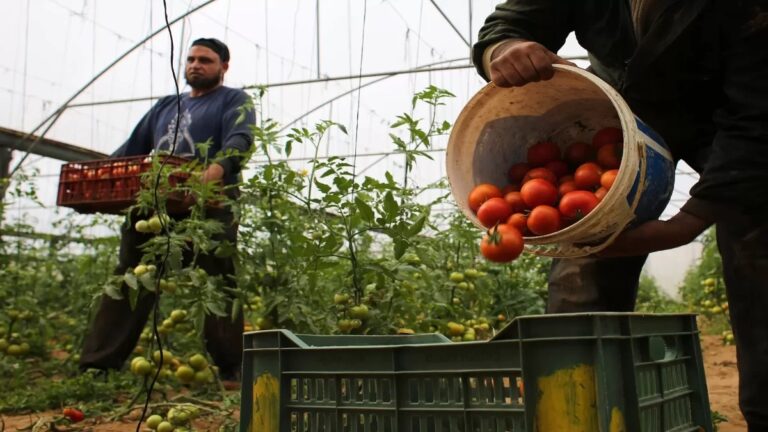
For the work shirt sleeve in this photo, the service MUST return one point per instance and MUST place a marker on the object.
(238, 120)
(735, 176)
(140, 142)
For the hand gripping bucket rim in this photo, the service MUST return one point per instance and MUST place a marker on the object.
(629, 198)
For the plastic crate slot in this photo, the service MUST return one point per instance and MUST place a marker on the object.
(673, 377)
(494, 390)
(647, 382)
(366, 422)
(650, 419)
(368, 390)
(294, 386)
(678, 413)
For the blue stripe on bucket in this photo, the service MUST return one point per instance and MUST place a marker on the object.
(659, 177)
(655, 138)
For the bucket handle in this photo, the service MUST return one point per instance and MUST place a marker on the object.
(573, 251)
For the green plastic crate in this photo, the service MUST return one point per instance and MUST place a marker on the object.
(589, 372)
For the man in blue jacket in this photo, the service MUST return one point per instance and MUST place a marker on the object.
(697, 72)
(209, 113)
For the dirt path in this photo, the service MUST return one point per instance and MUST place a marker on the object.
(719, 362)
(723, 382)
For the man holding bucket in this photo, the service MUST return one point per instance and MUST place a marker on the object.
(697, 72)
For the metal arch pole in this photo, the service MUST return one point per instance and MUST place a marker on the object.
(450, 23)
(419, 69)
(55, 116)
(356, 88)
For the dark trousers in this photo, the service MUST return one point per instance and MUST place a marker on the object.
(116, 327)
(592, 284)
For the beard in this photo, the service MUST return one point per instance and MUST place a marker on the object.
(199, 82)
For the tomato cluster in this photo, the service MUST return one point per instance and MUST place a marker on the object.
(550, 191)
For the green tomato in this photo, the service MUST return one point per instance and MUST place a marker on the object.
(165, 427)
(198, 362)
(140, 270)
(153, 421)
(178, 315)
(359, 312)
(471, 273)
(154, 225)
(457, 277)
(141, 226)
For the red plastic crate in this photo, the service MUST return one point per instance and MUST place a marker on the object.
(110, 185)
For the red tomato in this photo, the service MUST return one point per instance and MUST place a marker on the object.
(71, 175)
(578, 153)
(542, 152)
(519, 221)
(558, 167)
(609, 156)
(609, 135)
(103, 172)
(608, 178)
(566, 187)
(517, 172)
(587, 176)
(482, 193)
(577, 204)
(514, 187)
(494, 211)
(600, 193)
(74, 414)
(502, 244)
(537, 192)
(542, 173)
(543, 220)
(516, 202)
(566, 178)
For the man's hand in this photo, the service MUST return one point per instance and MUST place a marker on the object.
(518, 62)
(656, 235)
(213, 174)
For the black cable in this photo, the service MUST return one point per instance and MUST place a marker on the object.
(164, 227)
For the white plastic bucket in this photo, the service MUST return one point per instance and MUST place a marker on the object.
(496, 127)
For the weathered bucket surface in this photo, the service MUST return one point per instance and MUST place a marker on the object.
(496, 127)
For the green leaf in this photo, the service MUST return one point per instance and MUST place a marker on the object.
(416, 228)
(237, 304)
(400, 247)
(365, 210)
(113, 291)
(133, 297)
(147, 281)
(324, 188)
(131, 281)
(390, 206)
(216, 309)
